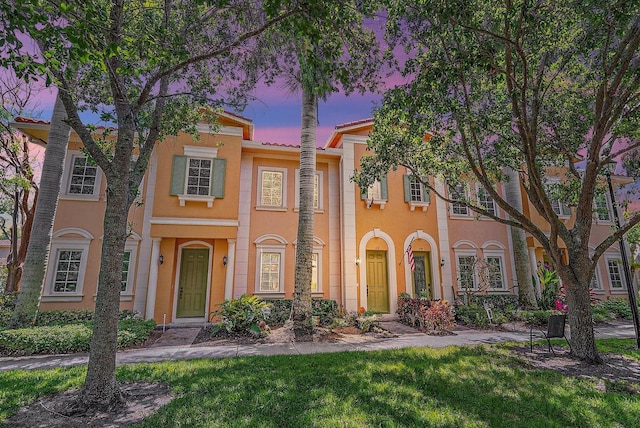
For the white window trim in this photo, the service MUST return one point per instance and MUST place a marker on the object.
(623, 281)
(597, 219)
(417, 204)
(66, 244)
(371, 201)
(465, 253)
(197, 152)
(320, 175)
(451, 204)
(495, 205)
(68, 164)
(562, 214)
(317, 249)
(596, 275)
(127, 294)
(269, 248)
(259, 205)
(500, 255)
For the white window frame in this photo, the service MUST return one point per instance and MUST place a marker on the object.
(283, 206)
(500, 256)
(413, 204)
(616, 259)
(561, 209)
(609, 208)
(494, 210)
(131, 247)
(186, 179)
(197, 152)
(68, 173)
(474, 275)
(317, 251)
(375, 189)
(269, 248)
(596, 278)
(453, 205)
(66, 244)
(319, 176)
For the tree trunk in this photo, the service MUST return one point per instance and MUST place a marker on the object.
(100, 388)
(575, 278)
(301, 309)
(526, 291)
(37, 256)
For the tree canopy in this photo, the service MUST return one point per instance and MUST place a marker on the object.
(547, 89)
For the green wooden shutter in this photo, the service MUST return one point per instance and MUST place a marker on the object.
(406, 184)
(426, 194)
(384, 189)
(178, 175)
(218, 177)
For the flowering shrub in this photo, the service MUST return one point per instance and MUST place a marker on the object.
(410, 308)
(439, 317)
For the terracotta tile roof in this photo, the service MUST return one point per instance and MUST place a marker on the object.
(293, 146)
(23, 119)
(237, 115)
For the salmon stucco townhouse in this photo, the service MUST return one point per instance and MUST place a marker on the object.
(216, 218)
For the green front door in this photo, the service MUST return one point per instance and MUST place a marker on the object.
(422, 275)
(377, 282)
(192, 289)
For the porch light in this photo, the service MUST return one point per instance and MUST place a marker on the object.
(224, 260)
(161, 259)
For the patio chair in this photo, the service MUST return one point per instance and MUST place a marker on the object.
(555, 329)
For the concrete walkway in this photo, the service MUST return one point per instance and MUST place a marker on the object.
(407, 339)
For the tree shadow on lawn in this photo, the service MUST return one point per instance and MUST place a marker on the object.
(411, 387)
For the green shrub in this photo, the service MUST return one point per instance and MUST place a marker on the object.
(367, 323)
(325, 309)
(59, 317)
(246, 314)
(537, 318)
(618, 307)
(499, 302)
(8, 300)
(600, 314)
(63, 339)
(472, 315)
(55, 339)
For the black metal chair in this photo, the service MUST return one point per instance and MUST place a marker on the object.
(555, 329)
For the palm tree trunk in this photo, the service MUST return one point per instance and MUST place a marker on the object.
(37, 257)
(526, 291)
(301, 310)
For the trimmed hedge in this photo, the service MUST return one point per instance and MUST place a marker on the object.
(325, 309)
(500, 302)
(69, 338)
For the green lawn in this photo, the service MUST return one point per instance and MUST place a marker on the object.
(452, 387)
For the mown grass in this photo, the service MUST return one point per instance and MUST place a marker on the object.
(452, 387)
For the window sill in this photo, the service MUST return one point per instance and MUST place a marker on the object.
(270, 295)
(74, 197)
(315, 210)
(380, 202)
(618, 291)
(267, 208)
(62, 298)
(123, 297)
(423, 205)
(461, 217)
(196, 198)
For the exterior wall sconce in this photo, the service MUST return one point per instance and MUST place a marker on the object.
(357, 261)
(224, 260)
(161, 259)
(442, 262)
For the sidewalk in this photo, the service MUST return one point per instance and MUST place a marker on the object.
(405, 339)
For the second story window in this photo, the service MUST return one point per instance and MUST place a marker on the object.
(83, 176)
(602, 208)
(272, 188)
(458, 193)
(415, 194)
(560, 208)
(317, 190)
(486, 201)
(198, 176)
(376, 194)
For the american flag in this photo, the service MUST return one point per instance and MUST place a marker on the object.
(410, 259)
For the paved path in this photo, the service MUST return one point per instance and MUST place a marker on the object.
(409, 338)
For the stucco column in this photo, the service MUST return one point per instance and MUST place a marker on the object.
(231, 258)
(153, 278)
